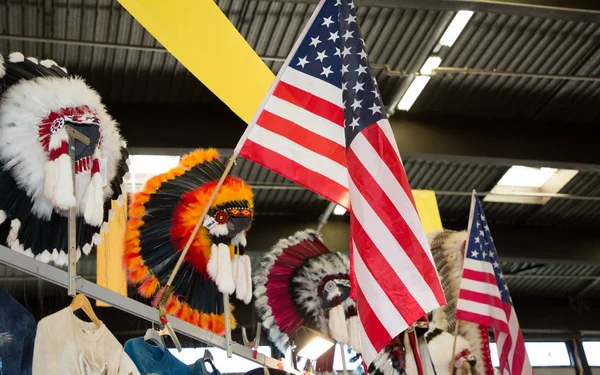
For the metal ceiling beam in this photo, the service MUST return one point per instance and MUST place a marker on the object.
(532, 245)
(423, 136)
(497, 138)
(572, 10)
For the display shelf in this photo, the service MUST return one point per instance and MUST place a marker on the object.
(59, 277)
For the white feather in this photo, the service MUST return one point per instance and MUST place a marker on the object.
(337, 324)
(224, 275)
(2, 212)
(64, 191)
(87, 248)
(48, 63)
(33, 60)
(16, 57)
(354, 333)
(45, 256)
(97, 239)
(212, 267)
(219, 230)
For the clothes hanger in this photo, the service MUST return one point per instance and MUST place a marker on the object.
(208, 356)
(156, 337)
(80, 301)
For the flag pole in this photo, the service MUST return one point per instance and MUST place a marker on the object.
(457, 324)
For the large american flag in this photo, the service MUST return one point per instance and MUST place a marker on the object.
(323, 126)
(484, 299)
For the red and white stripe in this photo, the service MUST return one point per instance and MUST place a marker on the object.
(396, 279)
(479, 301)
(300, 134)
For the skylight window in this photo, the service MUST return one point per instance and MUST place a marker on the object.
(526, 176)
(143, 167)
(527, 185)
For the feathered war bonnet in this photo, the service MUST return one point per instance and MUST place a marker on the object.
(162, 218)
(302, 283)
(39, 100)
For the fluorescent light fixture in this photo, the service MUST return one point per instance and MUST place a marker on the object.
(431, 63)
(413, 92)
(144, 167)
(521, 184)
(311, 344)
(456, 27)
(315, 348)
(419, 83)
(339, 210)
(152, 164)
(526, 176)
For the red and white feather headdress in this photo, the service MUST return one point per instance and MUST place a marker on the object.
(39, 100)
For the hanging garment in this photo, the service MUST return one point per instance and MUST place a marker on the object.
(151, 359)
(17, 334)
(65, 344)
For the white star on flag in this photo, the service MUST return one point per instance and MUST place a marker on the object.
(315, 41)
(327, 21)
(303, 61)
(356, 104)
(358, 87)
(350, 19)
(474, 253)
(375, 108)
(348, 34)
(321, 56)
(361, 70)
(334, 36)
(327, 71)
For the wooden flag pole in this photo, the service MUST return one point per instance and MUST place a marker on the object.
(452, 367)
(168, 287)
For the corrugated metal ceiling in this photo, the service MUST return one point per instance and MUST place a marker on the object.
(399, 38)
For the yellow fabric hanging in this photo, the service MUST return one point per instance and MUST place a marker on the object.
(201, 37)
(428, 210)
(109, 266)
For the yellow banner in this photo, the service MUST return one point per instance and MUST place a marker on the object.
(203, 39)
(109, 266)
(427, 208)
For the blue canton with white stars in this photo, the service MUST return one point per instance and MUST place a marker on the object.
(334, 52)
(481, 247)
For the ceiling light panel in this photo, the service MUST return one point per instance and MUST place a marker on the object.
(456, 27)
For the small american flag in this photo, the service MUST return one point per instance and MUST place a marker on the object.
(323, 126)
(484, 299)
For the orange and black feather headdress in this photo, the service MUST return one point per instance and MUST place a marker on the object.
(163, 216)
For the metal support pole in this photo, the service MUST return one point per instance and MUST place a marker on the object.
(228, 341)
(325, 216)
(72, 220)
(258, 333)
(343, 351)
